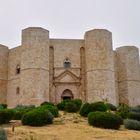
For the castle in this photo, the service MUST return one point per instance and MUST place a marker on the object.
(44, 69)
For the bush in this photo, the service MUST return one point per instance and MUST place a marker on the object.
(132, 124)
(3, 134)
(134, 116)
(6, 115)
(104, 120)
(20, 110)
(134, 109)
(97, 106)
(84, 110)
(71, 107)
(123, 111)
(37, 117)
(47, 103)
(122, 114)
(111, 107)
(1, 107)
(25, 107)
(77, 102)
(123, 107)
(19, 113)
(61, 105)
(4, 106)
(52, 109)
(87, 108)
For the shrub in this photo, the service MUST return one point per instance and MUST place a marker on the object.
(132, 124)
(61, 105)
(37, 117)
(52, 109)
(111, 107)
(3, 134)
(87, 108)
(25, 107)
(19, 113)
(123, 107)
(97, 106)
(6, 115)
(134, 109)
(84, 110)
(77, 102)
(1, 107)
(123, 114)
(71, 107)
(4, 106)
(134, 116)
(20, 110)
(47, 103)
(104, 120)
(123, 111)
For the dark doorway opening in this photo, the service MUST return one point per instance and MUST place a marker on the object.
(67, 95)
(66, 98)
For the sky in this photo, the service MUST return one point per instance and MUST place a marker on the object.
(71, 19)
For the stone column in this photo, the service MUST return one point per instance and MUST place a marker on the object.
(100, 74)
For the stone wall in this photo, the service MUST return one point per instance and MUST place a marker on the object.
(62, 49)
(14, 59)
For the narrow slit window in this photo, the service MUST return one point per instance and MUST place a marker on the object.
(18, 90)
(18, 69)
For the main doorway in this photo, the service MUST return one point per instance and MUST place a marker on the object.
(67, 94)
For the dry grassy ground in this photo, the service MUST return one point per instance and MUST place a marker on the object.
(69, 127)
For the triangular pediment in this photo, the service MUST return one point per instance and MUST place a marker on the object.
(67, 77)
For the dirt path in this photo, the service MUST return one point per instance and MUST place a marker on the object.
(69, 127)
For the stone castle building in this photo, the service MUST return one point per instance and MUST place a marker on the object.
(44, 69)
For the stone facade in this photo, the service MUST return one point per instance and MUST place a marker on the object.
(44, 69)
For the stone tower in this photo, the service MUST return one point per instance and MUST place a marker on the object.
(100, 73)
(128, 75)
(34, 80)
(3, 73)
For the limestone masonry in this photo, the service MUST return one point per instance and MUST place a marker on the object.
(44, 69)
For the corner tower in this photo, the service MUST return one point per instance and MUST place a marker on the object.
(3, 73)
(34, 66)
(128, 75)
(100, 73)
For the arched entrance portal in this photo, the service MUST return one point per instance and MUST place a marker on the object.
(67, 94)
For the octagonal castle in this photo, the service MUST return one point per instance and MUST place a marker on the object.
(44, 69)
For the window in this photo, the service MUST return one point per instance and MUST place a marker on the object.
(17, 90)
(18, 69)
(67, 63)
